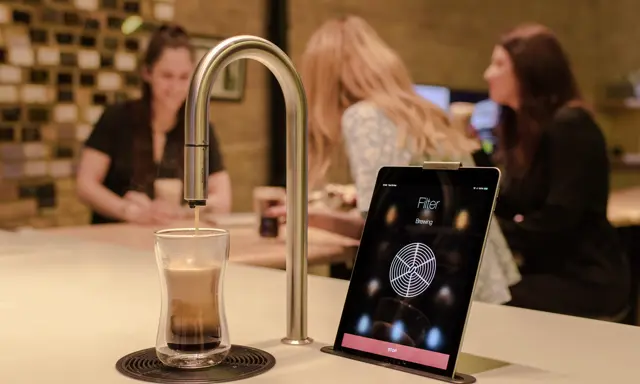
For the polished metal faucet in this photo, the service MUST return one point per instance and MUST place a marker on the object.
(196, 156)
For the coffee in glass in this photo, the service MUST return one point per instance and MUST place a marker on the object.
(192, 332)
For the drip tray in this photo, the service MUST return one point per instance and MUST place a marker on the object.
(241, 363)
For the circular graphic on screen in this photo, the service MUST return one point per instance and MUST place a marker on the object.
(412, 270)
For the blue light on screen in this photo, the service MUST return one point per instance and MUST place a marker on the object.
(364, 324)
(397, 331)
(434, 339)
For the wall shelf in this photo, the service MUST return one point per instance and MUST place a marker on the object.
(628, 104)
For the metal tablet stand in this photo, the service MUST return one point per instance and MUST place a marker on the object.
(459, 378)
(442, 165)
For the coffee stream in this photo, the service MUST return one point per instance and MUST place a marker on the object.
(194, 321)
(197, 219)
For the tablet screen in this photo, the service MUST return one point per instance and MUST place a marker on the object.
(416, 266)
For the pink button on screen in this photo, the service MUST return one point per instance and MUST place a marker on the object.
(396, 351)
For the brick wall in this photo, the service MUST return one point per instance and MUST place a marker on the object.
(442, 42)
(61, 61)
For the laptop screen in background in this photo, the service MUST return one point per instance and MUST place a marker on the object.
(440, 96)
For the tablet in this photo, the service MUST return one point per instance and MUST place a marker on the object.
(416, 267)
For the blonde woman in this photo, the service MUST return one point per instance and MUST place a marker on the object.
(360, 93)
(361, 96)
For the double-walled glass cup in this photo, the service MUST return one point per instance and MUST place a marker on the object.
(192, 331)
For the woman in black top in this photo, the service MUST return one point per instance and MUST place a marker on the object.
(553, 202)
(136, 142)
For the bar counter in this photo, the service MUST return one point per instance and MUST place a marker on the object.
(247, 247)
(71, 309)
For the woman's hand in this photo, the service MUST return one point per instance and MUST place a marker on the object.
(138, 198)
(137, 214)
(472, 141)
(347, 224)
(279, 211)
(164, 212)
(140, 209)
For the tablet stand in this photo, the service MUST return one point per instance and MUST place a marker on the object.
(459, 378)
(442, 165)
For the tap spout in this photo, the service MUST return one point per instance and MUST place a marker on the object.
(197, 154)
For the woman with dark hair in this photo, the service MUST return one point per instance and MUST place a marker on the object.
(553, 202)
(136, 143)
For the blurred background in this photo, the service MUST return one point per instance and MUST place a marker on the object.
(62, 61)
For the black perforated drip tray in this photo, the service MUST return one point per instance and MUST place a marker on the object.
(241, 363)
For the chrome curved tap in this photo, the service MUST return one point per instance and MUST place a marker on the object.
(197, 153)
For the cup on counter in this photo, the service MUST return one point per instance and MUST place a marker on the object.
(168, 190)
(263, 199)
(192, 331)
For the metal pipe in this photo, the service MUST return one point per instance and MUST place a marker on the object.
(197, 154)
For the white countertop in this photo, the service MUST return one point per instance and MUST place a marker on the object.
(82, 306)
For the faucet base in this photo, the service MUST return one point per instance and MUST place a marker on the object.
(305, 341)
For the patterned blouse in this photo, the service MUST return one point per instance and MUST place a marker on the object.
(371, 143)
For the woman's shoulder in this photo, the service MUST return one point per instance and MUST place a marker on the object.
(575, 123)
(573, 118)
(118, 111)
(362, 114)
(574, 114)
(363, 109)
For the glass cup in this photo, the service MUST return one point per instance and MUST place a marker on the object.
(263, 199)
(192, 331)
